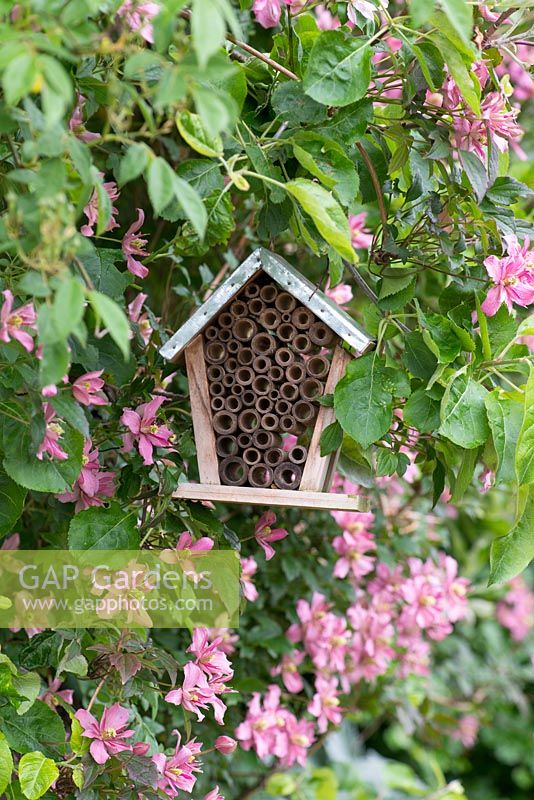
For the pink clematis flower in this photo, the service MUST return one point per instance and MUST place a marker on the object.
(325, 19)
(325, 703)
(87, 389)
(196, 694)
(366, 9)
(341, 294)
(516, 610)
(53, 433)
(138, 16)
(360, 237)
(209, 657)
(214, 795)
(185, 542)
(512, 275)
(109, 734)
(76, 122)
(267, 12)
(352, 548)
(133, 245)
(248, 570)
(12, 321)
(140, 319)
(54, 692)
(91, 209)
(92, 485)
(145, 430)
(467, 730)
(265, 534)
(177, 772)
(289, 670)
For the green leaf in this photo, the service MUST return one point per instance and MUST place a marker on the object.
(68, 306)
(193, 207)
(465, 474)
(476, 172)
(460, 14)
(441, 337)
(12, 497)
(217, 109)
(208, 29)
(331, 438)
(19, 77)
(326, 160)
(338, 70)
(419, 360)
(456, 63)
(36, 775)
(54, 362)
(510, 554)
(105, 208)
(22, 465)
(524, 459)
(327, 214)
(104, 529)
(114, 319)
(463, 413)
(192, 131)
(68, 409)
(363, 400)
(134, 163)
(421, 11)
(505, 414)
(292, 104)
(6, 764)
(422, 412)
(160, 180)
(40, 729)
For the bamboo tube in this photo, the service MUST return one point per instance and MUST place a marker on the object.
(225, 320)
(228, 381)
(302, 318)
(298, 454)
(244, 329)
(244, 440)
(251, 456)
(304, 412)
(225, 334)
(286, 332)
(270, 422)
(237, 390)
(233, 404)
(233, 471)
(231, 364)
(248, 420)
(211, 332)
(302, 344)
(215, 372)
(263, 344)
(282, 407)
(263, 440)
(285, 302)
(261, 364)
(224, 422)
(260, 476)
(287, 475)
(255, 306)
(238, 309)
(215, 352)
(233, 346)
(245, 356)
(274, 456)
(270, 318)
(284, 357)
(268, 293)
(289, 391)
(286, 317)
(311, 389)
(217, 403)
(321, 334)
(276, 373)
(261, 384)
(289, 424)
(263, 404)
(318, 367)
(216, 389)
(274, 394)
(249, 398)
(226, 446)
(245, 376)
(251, 290)
(295, 372)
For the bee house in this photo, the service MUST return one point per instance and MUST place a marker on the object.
(259, 353)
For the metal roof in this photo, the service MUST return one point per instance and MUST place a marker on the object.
(286, 276)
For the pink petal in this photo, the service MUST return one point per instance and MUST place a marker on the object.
(99, 752)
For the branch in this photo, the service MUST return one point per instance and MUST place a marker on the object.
(497, 24)
(376, 183)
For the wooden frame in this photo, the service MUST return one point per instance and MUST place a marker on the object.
(271, 497)
(208, 465)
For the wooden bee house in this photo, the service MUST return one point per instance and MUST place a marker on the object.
(259, 353)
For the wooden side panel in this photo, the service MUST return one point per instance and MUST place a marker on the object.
(201, 412)
(316, 469)
(271, 497)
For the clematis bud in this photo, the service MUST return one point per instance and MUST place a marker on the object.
(434, 99)
(225, 745)
(140, 748)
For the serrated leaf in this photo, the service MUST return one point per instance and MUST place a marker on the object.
(363, 403)
(6, 764)
(510, 554)
(12, 497)
(36, 775)
(505, 414)
(331, 438)
(327, 214)
(192, 131)
(339, 69)
(161, 182)
(463, 413)
(524, 460)
(193, 207)
(104, 529)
